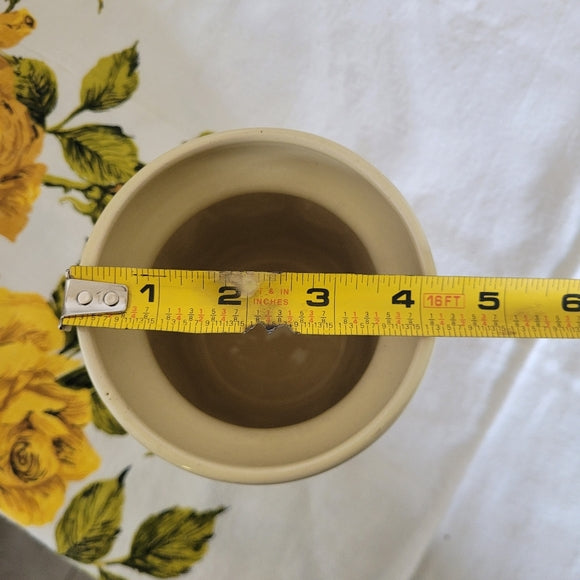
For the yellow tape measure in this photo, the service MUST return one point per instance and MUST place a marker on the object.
(322, 304)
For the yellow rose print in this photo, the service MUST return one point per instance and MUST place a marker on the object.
(42, 443)
(26, 317)
(14, 26)
(20, 144)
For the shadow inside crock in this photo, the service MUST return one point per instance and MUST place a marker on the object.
(263, 379)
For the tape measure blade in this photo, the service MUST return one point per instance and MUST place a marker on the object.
(347, 304)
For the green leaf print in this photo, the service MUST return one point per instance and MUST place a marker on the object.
(91, 522)
(100, 154)
(112, 81)
(77, 379)
(169, 543)
(35, 86)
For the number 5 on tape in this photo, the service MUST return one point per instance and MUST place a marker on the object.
(200, 301)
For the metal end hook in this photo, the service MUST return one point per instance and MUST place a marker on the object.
(86, 297)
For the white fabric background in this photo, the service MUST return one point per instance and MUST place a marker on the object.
(472, 109)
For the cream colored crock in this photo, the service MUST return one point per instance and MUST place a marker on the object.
(155, 203)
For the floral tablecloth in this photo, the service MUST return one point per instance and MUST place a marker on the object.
(471, 108)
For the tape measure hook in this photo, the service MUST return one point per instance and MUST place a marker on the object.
(86, 297)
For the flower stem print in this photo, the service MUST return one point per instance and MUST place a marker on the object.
(102, 156)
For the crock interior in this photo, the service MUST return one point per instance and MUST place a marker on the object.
(264, 378)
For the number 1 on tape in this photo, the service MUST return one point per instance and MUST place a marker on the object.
(199, 301)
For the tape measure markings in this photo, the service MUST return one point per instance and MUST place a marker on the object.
(322, 303)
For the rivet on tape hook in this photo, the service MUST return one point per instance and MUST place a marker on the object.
(84, 297)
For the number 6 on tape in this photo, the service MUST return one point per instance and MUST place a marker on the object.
(201, 301)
